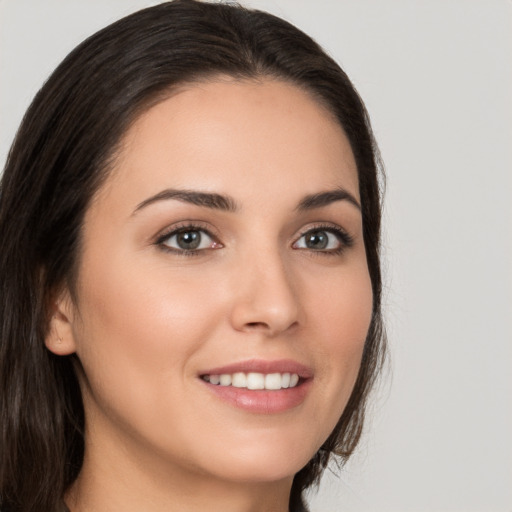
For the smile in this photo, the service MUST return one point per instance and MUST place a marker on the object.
(254, 380)
(259, 386)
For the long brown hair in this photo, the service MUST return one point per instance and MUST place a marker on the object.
(61, 156)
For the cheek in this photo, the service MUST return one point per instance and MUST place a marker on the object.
(139, 328)
(343, 315)
(140, 333)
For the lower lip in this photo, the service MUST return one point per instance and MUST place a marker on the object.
(262, 401)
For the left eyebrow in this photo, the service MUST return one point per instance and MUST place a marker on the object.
(325, 198)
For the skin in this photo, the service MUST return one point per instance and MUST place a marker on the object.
(146, 320)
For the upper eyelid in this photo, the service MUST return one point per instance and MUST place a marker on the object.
(328, 226)
(184, 226)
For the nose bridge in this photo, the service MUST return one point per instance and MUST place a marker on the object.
(266, 296)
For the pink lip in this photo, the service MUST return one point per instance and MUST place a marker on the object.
(262, 401)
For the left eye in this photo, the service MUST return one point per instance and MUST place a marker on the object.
(189, 240)
(319, 240)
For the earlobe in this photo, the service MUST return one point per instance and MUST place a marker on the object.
(60, 336)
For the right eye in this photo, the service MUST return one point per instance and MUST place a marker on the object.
(188, 240)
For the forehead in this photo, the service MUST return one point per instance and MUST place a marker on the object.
(232, 136)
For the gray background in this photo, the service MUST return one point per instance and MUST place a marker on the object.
(436, 76)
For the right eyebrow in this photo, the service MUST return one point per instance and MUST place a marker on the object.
(206, 199)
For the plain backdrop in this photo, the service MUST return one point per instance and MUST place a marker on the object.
(436, 76)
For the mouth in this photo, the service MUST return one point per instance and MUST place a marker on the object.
(258, 386)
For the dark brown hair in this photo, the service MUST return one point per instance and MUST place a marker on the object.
(59, 159)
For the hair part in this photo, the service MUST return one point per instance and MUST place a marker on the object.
(62, 154)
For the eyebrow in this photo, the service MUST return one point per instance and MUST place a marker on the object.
(326, 198)
(207, 199)
(228, 204)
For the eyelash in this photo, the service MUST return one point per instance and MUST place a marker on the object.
(346, 241)
(176, 230)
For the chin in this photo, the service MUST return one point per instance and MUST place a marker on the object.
(263, 462)
(271, 471)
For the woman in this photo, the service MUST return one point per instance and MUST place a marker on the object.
(190, 223)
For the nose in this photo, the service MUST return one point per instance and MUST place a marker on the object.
(266, 297)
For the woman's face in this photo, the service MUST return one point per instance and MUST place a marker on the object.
(227, 241)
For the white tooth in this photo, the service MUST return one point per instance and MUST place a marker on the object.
(285, 380)
(225, 379)
(294, 379)
(255, 381)
(273, 381)
(214, 379)
(239, 380)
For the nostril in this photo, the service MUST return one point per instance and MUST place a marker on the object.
(257, 325)
(270, 329)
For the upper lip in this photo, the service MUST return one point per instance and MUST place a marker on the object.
(263, 366)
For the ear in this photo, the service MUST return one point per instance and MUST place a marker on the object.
(60, 337)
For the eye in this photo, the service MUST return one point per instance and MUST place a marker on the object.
(188, 239)
(324, 239)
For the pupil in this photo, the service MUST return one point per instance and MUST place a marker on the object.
(317, 240)
(189, 240)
